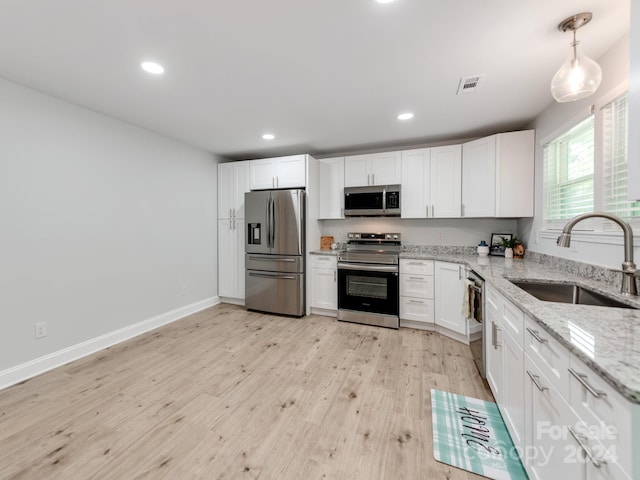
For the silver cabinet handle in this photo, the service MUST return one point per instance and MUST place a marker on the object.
(580, 439)
(462, 210)
(277, 181)
(432, 211)
(582, 378)
(416, 278)
(335, 274)
(427, 211)
(535, 334)
(495, 329)
(536, 381)
(417, 301)
(373, 179)
(415, 263)
(368, 179)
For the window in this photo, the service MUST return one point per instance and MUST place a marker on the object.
(614, 159)
(585, 169)
(568, 173)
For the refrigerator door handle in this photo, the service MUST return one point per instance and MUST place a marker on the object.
(268, 223)
(272, 227)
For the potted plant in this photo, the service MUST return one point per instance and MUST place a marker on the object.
(508, 244)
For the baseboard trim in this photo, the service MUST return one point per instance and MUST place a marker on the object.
(30, 369)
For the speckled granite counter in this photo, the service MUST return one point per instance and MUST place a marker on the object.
(615, 331)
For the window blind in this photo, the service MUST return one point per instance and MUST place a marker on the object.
(614, 155)
(568, 173)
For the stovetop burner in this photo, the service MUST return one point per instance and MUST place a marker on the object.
(381, 248)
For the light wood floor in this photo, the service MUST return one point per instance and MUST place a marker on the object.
(231, 394)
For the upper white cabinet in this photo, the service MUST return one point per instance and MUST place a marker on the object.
(278, 172)
(498, 175)
(373, 169)
(431, 182)
(331, 188)
(233, 182)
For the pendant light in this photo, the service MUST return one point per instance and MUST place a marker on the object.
(579, 76)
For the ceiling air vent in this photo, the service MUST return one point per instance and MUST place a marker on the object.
(469, 84)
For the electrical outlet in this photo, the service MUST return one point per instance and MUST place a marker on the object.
(41, 330)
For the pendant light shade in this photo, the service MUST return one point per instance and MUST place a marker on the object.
(579, 76)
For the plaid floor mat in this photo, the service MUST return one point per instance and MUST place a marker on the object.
(469, 433)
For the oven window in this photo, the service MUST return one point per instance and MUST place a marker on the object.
(366, 286)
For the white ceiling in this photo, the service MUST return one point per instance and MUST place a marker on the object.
(324, 76)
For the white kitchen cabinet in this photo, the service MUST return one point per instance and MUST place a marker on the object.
(416, 293)
(231, 260)
(331, 188)
(373, 169)
(278, 172)
(448, 296)
(498, 175)
(233, 183)
(431, 182)
(324, 281)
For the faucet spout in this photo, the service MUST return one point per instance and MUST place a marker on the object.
(629, 286)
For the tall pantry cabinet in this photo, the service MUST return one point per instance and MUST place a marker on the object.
(233, 183)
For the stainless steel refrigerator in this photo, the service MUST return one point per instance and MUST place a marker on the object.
(274, 251)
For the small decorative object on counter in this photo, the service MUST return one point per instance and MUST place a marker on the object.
(483, 249)
(326, 242)
(508, 243)
(518, 251)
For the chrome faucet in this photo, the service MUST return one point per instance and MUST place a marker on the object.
(629, 272)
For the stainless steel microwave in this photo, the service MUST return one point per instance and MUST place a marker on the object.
(382, 200)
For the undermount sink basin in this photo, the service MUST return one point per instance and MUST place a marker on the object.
(568, 293)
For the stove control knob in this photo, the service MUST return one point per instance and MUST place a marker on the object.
(388, 236)
(395, 237)
(357, 235)
(351, 235)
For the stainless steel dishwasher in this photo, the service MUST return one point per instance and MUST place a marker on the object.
(475, 285)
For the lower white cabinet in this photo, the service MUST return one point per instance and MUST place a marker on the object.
(448, 296)
(566, 421)
(324, 281)
(416, 293)
(231, 259)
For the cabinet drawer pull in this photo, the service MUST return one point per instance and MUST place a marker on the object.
(415, 263)
(536, 381)
(416, 278)
(582, 378)
(416, 301)
(580, 439)
(494, 335)
(535, 334)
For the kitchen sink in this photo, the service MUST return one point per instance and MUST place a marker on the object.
(568, 293)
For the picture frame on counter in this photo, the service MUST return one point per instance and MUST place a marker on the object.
(495, 247)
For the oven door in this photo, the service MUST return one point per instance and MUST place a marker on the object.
(368, 288)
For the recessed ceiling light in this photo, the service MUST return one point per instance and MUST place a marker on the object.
(268, 136)
(405, 116)
(152, 67)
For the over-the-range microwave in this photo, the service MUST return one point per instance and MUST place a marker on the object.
(382, 200)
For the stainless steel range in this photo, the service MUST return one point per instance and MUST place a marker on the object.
(368, 279)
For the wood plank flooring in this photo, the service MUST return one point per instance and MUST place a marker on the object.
(231, 394)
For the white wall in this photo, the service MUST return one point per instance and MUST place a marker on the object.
(602, 250)
(102, 225)
(433, 231)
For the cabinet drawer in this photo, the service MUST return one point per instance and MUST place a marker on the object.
(424, 267)
(548, 355)
(601, 409)
(420, 286)
(324, 261)
(418, 309)
(512, 320)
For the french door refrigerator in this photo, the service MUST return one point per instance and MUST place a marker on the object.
(274, 251)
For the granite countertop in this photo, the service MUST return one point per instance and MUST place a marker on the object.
(615, 331)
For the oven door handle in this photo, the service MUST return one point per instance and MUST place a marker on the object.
(367, 267)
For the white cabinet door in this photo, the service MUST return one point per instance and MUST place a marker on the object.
(291, 171)
(513, 389)
(233, 183)
(263, 174)
(278, 172)
(357, 171)
(479, 178)
(515, 156)
(331, 188)
(448, 295)
(231, 258)
(386, 168)
(414, 202)
(325, 288)
(446, 181)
